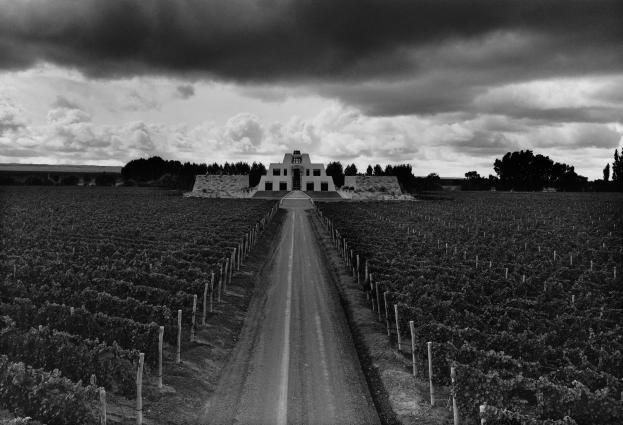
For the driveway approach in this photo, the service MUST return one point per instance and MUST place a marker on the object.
(296, 361)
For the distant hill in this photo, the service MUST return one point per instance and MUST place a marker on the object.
(59, 169)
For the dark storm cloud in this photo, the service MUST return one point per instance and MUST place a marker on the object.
(280, 40)
(385, 57)
(593, 114)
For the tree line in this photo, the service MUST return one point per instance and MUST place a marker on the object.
(403, 173)
(174, 174)
(616, 169)
(520, 170)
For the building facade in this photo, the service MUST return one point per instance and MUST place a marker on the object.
(296, 172)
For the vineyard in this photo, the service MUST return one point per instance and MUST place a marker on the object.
(519, 295)
(95, 280)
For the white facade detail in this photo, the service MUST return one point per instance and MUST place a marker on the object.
(296, 172)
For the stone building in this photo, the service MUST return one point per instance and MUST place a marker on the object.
(296, 172)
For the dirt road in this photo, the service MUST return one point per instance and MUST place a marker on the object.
(296, 362)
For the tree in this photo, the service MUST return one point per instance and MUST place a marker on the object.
(404, 174)
(369, 170)
(523, 170)
(432, 182)
(378, 171)
(607, 173)
(617, 170)
(255, 174)
(473, 181)
(159, 172)
(351, 170)
(334, 169)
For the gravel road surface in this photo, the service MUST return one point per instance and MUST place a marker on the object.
(295, 362)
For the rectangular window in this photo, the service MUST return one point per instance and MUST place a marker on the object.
(310, 186)
(283, 186)
(276, 171)
(307, 172)
(268, 186)
(324, 186)
(285, 171)
(317, 172)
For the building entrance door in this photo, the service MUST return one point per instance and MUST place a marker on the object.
(296, 179)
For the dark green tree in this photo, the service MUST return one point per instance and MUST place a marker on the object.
(523, 170)
(255, 175)
(351, 170)
(404, 174)
(335, 170)
(617, 170)
(369, 170)
(378, 171)
(607, 173)
(474, 181)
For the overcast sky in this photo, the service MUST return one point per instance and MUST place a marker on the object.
(445, 85)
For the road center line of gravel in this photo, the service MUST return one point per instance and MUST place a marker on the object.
(282, 410)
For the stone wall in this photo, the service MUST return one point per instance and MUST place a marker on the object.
(221, 186)
(383, 184)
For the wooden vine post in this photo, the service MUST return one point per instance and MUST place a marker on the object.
(220, 286)
(350, 260)
(371, 293)
(398, 339)
(222, 274)
(212, 295)
(386, 313)
(231, 269)
(139, 389)
(482, 409)
(455, 409)
(429, 345)
(178, 357)
(378, 299)
(205, 304)
(412, 328)
(160, 339)
(192, 328)
(102, 394)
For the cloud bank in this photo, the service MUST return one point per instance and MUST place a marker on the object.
(449, 84)
(367, 52)
(337, 132)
